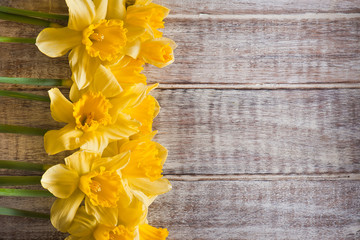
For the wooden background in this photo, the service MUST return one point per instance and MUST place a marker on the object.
(260, 113)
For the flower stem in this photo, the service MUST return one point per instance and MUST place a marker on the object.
(29, 20)
(21, 213)
(19, 180)
(24, 165)
(28, 96)
(33, 13)
(22, 130)
(17, 40)
(24, 193)
(36, 81)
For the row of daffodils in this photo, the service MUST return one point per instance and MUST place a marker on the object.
(104, 189)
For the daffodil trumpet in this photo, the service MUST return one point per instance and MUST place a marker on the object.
(36, 81)
(4, 128)
(29, 13)
(7, 164)
(17, 40)
(19, 180)
(28, 20)
(27, 96)
(22, 213)
(10, 192)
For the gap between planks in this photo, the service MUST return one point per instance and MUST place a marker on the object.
(304, 16)
(265, 177)
(260, 86)
(266, 86)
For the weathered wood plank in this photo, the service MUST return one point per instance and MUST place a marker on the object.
(230, 131)
(232, 210)
(226, 51)
(216, 6)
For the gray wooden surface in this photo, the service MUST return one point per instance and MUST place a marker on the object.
(260, 113)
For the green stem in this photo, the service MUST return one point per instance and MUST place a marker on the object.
(24, 193)
(21, 213)
(19, 180)
(33, 13)
(22, 130)
(29, 20)
(24, 165)
(17, 40)
(27, 96)
(36, 81)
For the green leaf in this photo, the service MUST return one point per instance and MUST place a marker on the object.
(22, 213)
(22, 130)
(19, 180)
(23, 165)
(24, 193)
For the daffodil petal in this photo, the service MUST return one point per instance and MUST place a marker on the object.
(106, 216)
(143, 2)
(94, 141)
(83, 224)
(133, 48)
(163, 152)
(61, 108)
(148, 232)
(74, 94)
(67, 138)
(60, 180)
(100, 10)
(148, 187)
(116, 9)
(56, 42)
(147, 200)
(130, 98)
(114, 148)
(83, 66)
(81, 13)
(63, 210)
(81, 161)
(105, 82)
(133, 214)
(134, 32)
(123, 128)
(114, 163)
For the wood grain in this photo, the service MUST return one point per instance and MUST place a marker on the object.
(216, 6)
(228, 51)
(230, 131)
(258, 210)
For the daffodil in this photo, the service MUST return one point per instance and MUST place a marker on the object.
(128, 72)
(95, 116)
(145, 113)
(102, 32)
(142, 176)
(85, 227)
(86, 176)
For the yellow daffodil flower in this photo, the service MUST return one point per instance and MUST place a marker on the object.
(142, 176)
(158, 52)
(86, 176)
(99, 32)
(95, 116)
(145, 113)
(148, 16)
(128, 72)
(85, 227)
